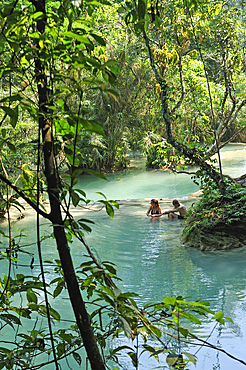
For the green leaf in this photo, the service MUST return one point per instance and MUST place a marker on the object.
(153, 351)
(95, 173)
(110, 268)
(219, 316)
(11, 98)
(11, 147)
(112, 93)
(170, 300)
(85, 227)
(191, 317)
(116, 350)
(86, 220)
(12, 113)
(61, 349)
(114, 203)
(155, 330)
(34, 333)
(191, 357)
(5, 350)
(54, 314)
(171, 359)
(127, 328)
(134, 358)
(38, 16)
(3, 131)
(108, 290)
(75, 198)
(35, 35)
(77, 37)
(80, 192)
(183, 331)
(92, 126)
(100, 193)
(31, 296)
(109, 209)
(77, 172)
(77, 358)
(58, 289)
(142, 6)
(110, 62)
(99, 39)
(33, 306)
(10, 319)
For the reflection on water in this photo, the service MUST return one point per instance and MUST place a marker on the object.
(152, 262)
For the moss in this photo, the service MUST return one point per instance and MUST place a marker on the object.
(216, 221)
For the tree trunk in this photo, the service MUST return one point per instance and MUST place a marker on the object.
(45, 125)
(192, 154)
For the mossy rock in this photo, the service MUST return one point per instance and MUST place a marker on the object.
(219, 237)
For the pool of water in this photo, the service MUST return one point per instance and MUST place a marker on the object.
(152, 261)
(137, 182)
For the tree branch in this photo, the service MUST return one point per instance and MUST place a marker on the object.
(25, 198)
(182, 86)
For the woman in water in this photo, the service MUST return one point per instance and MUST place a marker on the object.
(154, 209)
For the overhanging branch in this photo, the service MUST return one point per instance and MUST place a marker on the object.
(24, 197)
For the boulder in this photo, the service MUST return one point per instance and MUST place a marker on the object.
(219, 237)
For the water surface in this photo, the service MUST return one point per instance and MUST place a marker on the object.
(137, 182)
(150, 258)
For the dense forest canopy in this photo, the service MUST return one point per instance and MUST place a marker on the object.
(82, 84)
(199, 55)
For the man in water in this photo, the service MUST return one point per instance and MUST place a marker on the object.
(178, 207)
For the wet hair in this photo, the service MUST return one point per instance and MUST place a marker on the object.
(175, 201)
(155, 201)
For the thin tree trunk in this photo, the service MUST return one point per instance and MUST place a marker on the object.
(45, 125)
(192, 154)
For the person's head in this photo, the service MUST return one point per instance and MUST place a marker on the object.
(154, 202)
(175, 203)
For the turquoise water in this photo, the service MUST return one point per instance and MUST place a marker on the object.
(138, 183)
(152, 262)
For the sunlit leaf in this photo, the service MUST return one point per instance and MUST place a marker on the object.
(170, 300)
(37, 16)
(191, 357)
(171, 359)
(75, 36)
(191, 318)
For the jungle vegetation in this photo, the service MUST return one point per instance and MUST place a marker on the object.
(82, 84)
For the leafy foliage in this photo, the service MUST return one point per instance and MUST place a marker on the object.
(215, 209)
(57, 76)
